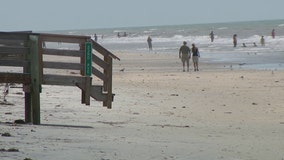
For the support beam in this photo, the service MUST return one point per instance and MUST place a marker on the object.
(35, 77)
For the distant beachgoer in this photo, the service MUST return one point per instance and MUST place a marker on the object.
(212, 36)
(235, 41)
(118, 34)
(96, 37)
(262, 41)
(244, 45)
(254, 44)
(273, 33)
(184, 55)
(6, 91)
(149, 41)
(124, 34)
(195, 57)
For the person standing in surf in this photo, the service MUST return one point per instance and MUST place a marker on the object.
(235, 41)
(262, 41)
(96, 37)
(273, 33)
(149, 41)
(211, 36)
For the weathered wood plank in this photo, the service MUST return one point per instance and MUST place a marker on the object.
(8, 42)
(99, 62)
(12, 57)
(99, 74)
(62, 80)
(103, 51)
(15, 63)
(57, 52)
(14, 36)
(36, 80)
(15, 78)
(64, 38)
(14, 50)
(108, 83)
(97, 94)
(62, 65)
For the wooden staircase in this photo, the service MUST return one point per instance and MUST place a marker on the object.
(31, 51)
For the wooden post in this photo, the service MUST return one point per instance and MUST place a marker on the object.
(40, 62)
(105, 82)
(26, 88)
(28, 107)
(82, 72)
(88, 72)
(109, 89)
(88, 85)
(35, 79)
(108, 83)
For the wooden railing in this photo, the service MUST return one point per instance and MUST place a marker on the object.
(15, 53)
(53, 59)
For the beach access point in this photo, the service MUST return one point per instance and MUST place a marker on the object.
(31, 53)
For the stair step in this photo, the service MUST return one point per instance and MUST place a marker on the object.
(96, 92)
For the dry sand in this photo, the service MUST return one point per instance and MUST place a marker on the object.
(159, 112)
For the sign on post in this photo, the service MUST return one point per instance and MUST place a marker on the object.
(88, 59)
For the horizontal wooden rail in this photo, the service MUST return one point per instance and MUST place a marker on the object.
(13, 50)
(16, 42)
(15, 63)
(99, 74)
(63, 52)
(14, 36)
(62, 80)
(23, 78)
(103, 51)
(99, 61)
(62, 65)
(64, 38)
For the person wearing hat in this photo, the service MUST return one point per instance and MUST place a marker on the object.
(184, 55)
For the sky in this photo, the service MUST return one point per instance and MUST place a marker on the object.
(48, 15)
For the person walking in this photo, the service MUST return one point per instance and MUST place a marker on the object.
(6, 91)
(195, 57)
(184, 55)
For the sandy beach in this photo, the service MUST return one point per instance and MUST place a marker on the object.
(222, 112)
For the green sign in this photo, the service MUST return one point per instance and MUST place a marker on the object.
(88, 59)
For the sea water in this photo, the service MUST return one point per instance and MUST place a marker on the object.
(168, 39)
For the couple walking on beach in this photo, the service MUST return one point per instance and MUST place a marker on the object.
(185, 55)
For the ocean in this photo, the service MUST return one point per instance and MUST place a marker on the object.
(167, 40)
